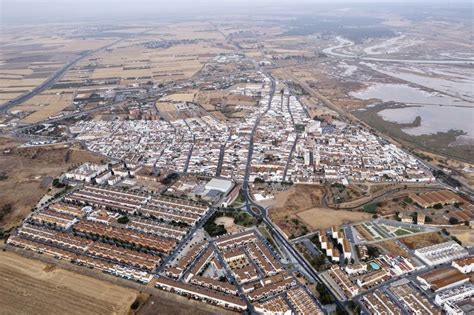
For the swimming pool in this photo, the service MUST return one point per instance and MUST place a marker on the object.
(374, 266)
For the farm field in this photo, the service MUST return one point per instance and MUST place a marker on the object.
(46, 105)
(32, 287)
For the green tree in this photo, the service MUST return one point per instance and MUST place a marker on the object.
(123, 220)
(453, 220)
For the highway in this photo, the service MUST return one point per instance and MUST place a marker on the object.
(52, 80)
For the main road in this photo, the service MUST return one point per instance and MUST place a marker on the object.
(59, 74)
(261, 212)
(53, 79)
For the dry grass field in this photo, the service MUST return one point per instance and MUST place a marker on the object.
(296, 199)
(25, 168)
(465, 235)
(32, 287)
(165, 107)
(170, 303)
(422, 240)
(45, 105)
(228, 223)
(179, 97)
(300, 210)
(393, 248)
(321, 218)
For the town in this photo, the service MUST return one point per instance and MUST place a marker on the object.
(288, 161)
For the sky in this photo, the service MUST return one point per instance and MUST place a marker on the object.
(31, 11)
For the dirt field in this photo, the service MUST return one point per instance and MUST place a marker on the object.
(296, 199)
(299, 210)
(32, 287)
(422, 240)
(321, 218)
(23, 171)
(168, 303)
(228, 224)
(391, 247)
(465, 235)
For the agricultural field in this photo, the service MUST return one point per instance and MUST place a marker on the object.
(131, 61)
(28, 56)
(46, 105)
(30, 286)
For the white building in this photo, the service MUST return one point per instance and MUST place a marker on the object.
(465, 307)
(455, 294)
(102, 178)
(441, 253)
(222, 185)
(114, 180)
(465, 265)
(86, 172)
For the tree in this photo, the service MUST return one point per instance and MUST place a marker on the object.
(453, 220)
(438, 206)
(324, 296)
(123, 220)
(457, 240)
(373, 251)
(354, 307)
(57, 183)
(340, 310)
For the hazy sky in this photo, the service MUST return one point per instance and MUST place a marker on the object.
(32, 11)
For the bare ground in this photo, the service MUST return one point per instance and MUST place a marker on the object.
(25, 168)
(32, 287)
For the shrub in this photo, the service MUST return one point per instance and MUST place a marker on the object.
(371, 208)
(453, 220)
(123, 220)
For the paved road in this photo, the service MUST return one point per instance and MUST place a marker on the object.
(53, 79)
(464, 188)
(185, 239)
(221, 159)
(245, 184)
(275, 231)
